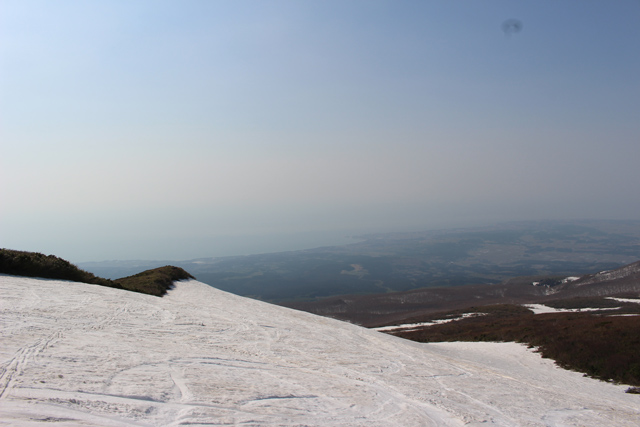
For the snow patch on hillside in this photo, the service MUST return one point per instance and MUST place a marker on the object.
(542, 309)
(85, 355)
(413, 326)
(619, 273)
(632, 300)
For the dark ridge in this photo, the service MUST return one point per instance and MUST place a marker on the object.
(156, 281)
(34, 264)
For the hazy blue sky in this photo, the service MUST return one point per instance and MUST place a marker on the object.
(184, 129)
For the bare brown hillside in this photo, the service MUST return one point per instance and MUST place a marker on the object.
(388, 308)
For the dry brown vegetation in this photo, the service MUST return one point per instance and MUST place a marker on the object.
(603, 346)
(154, 282)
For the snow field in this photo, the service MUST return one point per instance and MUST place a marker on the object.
(84, 355)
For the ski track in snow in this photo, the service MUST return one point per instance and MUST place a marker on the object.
(82, 355)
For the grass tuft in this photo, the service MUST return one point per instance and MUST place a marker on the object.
(154, 282)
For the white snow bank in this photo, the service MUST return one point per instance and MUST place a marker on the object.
(541, 309)
(623, 315)
(84, 355)
(633, 300)
(413, 326)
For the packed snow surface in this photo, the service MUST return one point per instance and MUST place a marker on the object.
(82, 355)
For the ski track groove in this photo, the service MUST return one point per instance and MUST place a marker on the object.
(19, 362)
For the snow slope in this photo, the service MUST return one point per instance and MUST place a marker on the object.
(85, 355)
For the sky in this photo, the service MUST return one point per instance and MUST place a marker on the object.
(185, 129)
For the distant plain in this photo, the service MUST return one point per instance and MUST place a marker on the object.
(392, 262)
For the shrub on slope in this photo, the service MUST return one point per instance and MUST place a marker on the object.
(34, 264)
